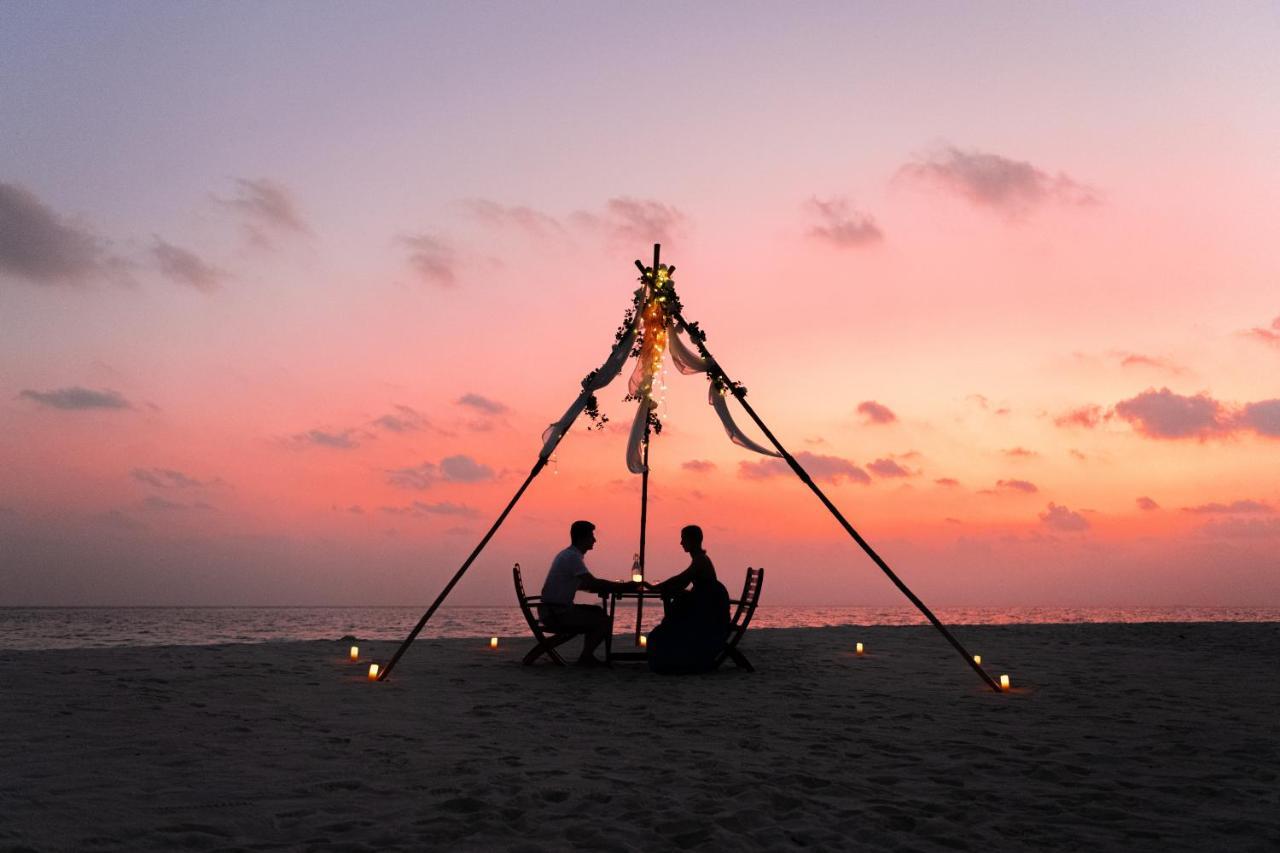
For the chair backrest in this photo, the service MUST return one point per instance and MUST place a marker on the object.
(528, 603)
(745, 605)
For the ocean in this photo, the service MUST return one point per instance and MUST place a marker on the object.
(100, 627)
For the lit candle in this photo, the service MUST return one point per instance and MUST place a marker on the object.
(636, 577)
(373, 672)
(644, 641)
(858, 649)
(493, 642)
(1004, 682)
(355, 653)
(977, 659)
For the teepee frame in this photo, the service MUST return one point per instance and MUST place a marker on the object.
(716, 374)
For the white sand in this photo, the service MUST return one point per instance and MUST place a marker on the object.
(1139, 737)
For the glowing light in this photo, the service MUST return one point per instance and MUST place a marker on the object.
(858, 648)
(373, 672)
(977, 659)
(493, 642)
(644, 641)
(355, 653)
(1004, 683)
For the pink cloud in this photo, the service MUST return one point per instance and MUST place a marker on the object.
(887, 468)
(876, 413)
(1012, 187)
(1017, 486)
(1019, 453)
(1164, 414)
(1262, 417)
(700, 466)
(948, 482)
(1267, 336)
(1061, 518)
(1242, 507)
(1147, 504)
(1085, 416)
(434, 260)
(831, 468)
(840, 224)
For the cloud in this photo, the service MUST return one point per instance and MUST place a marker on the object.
(1164, 414)
(887, 468)
(948, 482)
(167, 478)
(1262, 417)
(1240, 507)
(1267, 336)
(267, 209)
(1019, 453)
(343, 440)
(1147, 504)
(464, 469)
(1084, 416)
(419, 508)
(452, 469)
(434, 260)
(533, 222)
(185, 267)
(160, 504)
(1242, 528)
(1017, 486)
(1011, 187)
(1061, 518)
(481, 404)
(700, 466)
(77, 398)
(404, 419)
(41, 247)
(876, 413)
(634, 221)
(842, 225)
(830, 468)
(1133, 359)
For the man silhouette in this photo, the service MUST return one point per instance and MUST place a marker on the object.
(567, 575)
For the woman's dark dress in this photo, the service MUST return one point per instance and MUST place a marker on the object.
(695, 624)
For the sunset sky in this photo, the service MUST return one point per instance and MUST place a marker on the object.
(288, 293)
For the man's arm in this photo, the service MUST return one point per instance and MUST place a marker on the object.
(590, 583)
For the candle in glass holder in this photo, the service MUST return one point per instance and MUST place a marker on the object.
(644, 641)
(636, 577)
(977, 659)
(1004, 682)
(355, 653)
(858, 648)
(373, 672)
(493, 642)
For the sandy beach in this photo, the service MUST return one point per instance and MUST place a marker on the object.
(1115, 737)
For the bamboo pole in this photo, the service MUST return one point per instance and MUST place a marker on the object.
(457, 576)
(715, 370)
(644, 476)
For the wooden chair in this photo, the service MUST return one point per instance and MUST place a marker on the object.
(744, 609)
(548, 638)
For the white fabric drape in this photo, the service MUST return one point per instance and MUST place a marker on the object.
(687, 361)
(607, 373)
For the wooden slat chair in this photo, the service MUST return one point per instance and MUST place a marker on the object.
(547, 637)
(744, 609)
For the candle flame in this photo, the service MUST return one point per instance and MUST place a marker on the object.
(373, 672)
(1004, 682)
(355, 653)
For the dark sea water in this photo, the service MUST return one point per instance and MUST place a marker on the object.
(97, 627)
